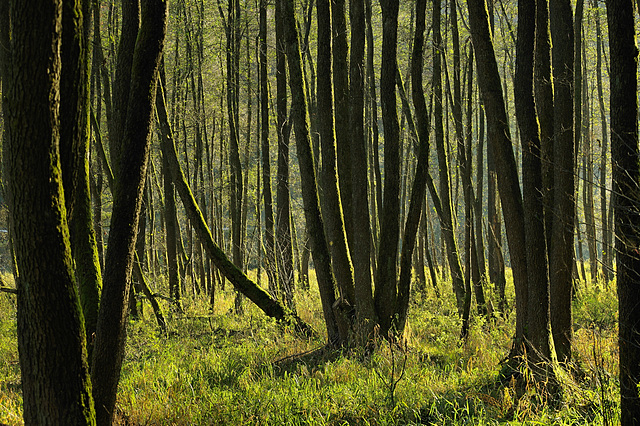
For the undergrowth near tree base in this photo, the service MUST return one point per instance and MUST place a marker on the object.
(222, 368)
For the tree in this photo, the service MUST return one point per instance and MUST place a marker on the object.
(561, 255)
(332, 202)
(385, 290)
(502, 151)
(313, 217)
(127, 196)
(538, 325)
(626, 177)
(51, 336)
(361, 256)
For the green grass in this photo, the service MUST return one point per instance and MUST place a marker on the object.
(230, 369)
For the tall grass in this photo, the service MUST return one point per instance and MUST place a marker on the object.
(222, 368)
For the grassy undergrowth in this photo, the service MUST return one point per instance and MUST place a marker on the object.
(230, 369)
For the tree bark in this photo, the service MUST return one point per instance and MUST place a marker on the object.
(385, 289)
(332, 202)
(128, 192)
(300, 117)
(361, 242)
(561, 257)
(447, 217)
(538, 325)
(626, 177)
(56, 387)
(502, 150)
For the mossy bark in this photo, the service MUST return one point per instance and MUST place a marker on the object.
(56, 385)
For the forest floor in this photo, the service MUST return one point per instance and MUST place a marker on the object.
(245, 369)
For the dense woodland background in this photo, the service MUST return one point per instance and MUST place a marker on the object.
(360, 159)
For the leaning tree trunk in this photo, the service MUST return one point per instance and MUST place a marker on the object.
(501, 148)
(300, 117)
(626, 178)
(127, 201)
(268, 304)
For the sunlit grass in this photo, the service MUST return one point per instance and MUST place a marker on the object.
(223, 368)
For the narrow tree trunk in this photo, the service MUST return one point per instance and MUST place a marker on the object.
(447, 218)
(361, 241)
(562, 252)
(299, 114)
(501, 148)
(110, 333)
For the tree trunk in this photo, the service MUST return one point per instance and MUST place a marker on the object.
(340, 67)
(543, 88)
(269, 244)
(420, 180)
(127, 200)
(447, 218)
(501, 148)
(562, 250)
(332, 203)
(361, 241)
(300, 117)
(607, 247)
(385, 290)
(238, 279)
(538, 325)
(52, 349)
(626, 177)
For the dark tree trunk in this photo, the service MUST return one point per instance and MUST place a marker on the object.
(127, 200)
(332, 203)
(74, 156)
(502, 150)
(385, 289)
(446, 217)
(56, 388)
(538, 325)
(420, 180)
(561, 257)
(543, 89)
(361, 241)
(300, 117)
(626, 177)
(340, 66)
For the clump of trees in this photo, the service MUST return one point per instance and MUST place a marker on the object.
(360, 196)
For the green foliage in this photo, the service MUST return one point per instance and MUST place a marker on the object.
(229, 369)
